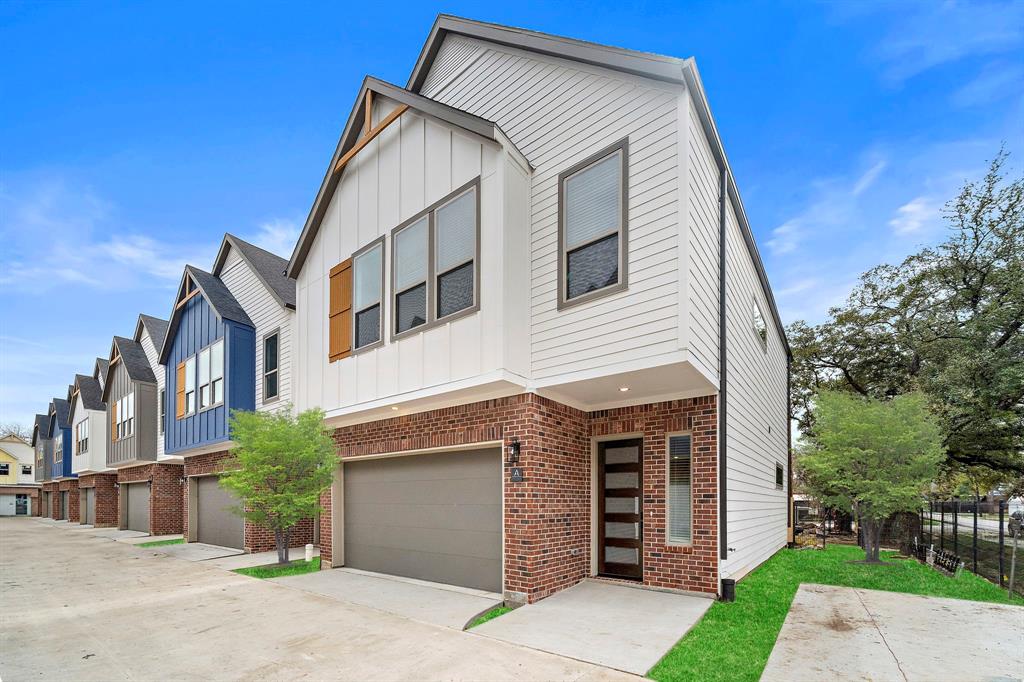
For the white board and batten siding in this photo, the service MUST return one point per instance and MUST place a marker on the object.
(153, 355)
(96, 457)
(412, 164)
(558, 112)
(268, 316)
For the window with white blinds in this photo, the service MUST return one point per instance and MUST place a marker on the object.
(411, 265)
(680, 507)
(592, 230)
(456, 225)
(368, 269)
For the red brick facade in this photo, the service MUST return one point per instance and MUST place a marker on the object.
(51, 505)
(165, 495)
(547, 517)
(257, 538)
(105, 497)
(69, 486)
(34, 496)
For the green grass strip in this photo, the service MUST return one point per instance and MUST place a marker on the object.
(279, 571)
(488, 615)
(161, 543)
(733, 641)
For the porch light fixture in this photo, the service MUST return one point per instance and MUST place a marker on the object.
(116, 485)
(623, 389)
(181, 480)
(513, 451)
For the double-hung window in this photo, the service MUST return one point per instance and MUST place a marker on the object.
(5, 468)
(367, 294)
(592, 226)
(26, 469)
(211, 375)
(82, 436)
(455, 254)
(190, 385)
(271, 351)
(125, 411)
(411, 267)
(680, 509)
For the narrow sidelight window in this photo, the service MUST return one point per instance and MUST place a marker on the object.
(190, 385)
(163, 408)
(271, 344)
(411, 267)
(680, 512)
(211, 375)
(455, 256)
(780, 476)
(368, 284)
(592, 226)
(760, 328)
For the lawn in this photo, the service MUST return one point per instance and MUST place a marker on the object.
(733, 641)
(161, 543)
(488, 615)
(278, 571)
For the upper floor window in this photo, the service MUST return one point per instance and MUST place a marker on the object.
(5, 468)
(211, 375)
(760, 328)
(124, 412)
(680, 504)
(435, 262)
(593, 197)
(368, 285)
(82, 436)
(188, 384)
(780, 476)
(163, 409)
(271, 348)
(26, 469)
(58, 448)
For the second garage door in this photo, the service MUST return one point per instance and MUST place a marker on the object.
(65, 513)
(137, 506)
(87, 499)
(434, 517)
(217, 524)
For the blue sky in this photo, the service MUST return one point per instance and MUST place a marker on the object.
(133, 135)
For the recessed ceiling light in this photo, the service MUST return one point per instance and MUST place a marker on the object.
(394, 407)
(623, 388)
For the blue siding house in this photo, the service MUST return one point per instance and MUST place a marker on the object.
(60, 433)
(209, 356)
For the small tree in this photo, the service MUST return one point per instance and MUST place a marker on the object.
(281, 466)
(876, 456)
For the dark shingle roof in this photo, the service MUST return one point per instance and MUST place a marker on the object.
(218, 296)
(267, 266)
(100, 370)
(134, 359)
(156, 328)
(61, 408)
(42, 428)
(90, 391)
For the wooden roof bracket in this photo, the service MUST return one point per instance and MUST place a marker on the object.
(370, 132)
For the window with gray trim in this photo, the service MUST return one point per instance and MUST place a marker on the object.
(592, 226)
(411, 269)
(271, 353)
(367, 294)
(455, 254)
(680, 497)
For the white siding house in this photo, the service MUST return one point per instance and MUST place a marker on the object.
(88, 419)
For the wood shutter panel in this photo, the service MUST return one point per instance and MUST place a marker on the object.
(113, 421)
(340, 312)
(179, 392)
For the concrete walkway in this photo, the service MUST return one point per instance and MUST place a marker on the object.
(149, 538)
(195, 551)
(446, 605)
(233, 561)
(619, 626)
(842, 633)
(190, 621)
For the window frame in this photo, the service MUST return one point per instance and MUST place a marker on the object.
(23, 469)
(162, 409)
(381, 240)
(263, 373)
(668, 496)
(79, 450)
(757, 312)
(620, 147)
(431, 282)
(199, 387)
(195, 388)
(780, 476)
(5, 465)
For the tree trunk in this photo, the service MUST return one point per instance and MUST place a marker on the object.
(871, 531)
(280, 540)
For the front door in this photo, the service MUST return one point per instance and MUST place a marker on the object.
(21, 505)
(620, 508)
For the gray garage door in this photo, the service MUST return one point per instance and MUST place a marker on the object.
(434, 517)
(218, 525)
(137, 506)
(64, 505)
(47, 509)
(87, 500)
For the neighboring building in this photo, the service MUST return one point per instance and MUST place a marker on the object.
(149, 491)
(540, 325)
(227, 348)
(64, 482)
(19, 492)
(42, 446)
(97, 494)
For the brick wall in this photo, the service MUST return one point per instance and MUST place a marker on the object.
(165, 495)
(50, 511)
(106, 497)
(69, 486)
(547, 521)
(34, 495)
(257, 538)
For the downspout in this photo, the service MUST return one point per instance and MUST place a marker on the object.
(723, 540)
(789, 450)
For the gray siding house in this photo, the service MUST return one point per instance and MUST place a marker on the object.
(130, 393)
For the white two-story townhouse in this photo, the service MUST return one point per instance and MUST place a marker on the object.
(228, 347)
(531, 306)
(19, 491)
(97, 495)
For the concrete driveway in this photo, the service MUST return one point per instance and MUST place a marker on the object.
(619, 626)
(842, 633)
(195, 551)
(447, 605)
(81, 608)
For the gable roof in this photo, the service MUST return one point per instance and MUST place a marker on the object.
(134, 359)
(40, 426)
(268, 267)
(99, 370)
(646, 64)
(352, 132)
(155, 327)
(90, 392)
(215, 293)
(59, 410)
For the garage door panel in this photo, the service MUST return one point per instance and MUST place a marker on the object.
(87, 512)
(217, 524)
(138, 506)
(434, 517)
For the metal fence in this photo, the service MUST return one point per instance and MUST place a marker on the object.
(978, 533)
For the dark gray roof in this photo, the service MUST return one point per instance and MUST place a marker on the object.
(155, 327)
(100, 369)
(90, 391)
(267, 266)
(135, 362)
(216, 294)
(352, 133)
(41, 428)
(61, 410)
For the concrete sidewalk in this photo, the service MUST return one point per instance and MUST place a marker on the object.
(843, 633)
(230, 563)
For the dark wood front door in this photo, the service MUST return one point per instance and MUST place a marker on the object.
(620, 511)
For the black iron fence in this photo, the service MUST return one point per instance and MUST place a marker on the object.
(978, 533)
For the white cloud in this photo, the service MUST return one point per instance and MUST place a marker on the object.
(277, 236)
(869, 177)
(995, 82)
(914, 215)
(785, 238)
